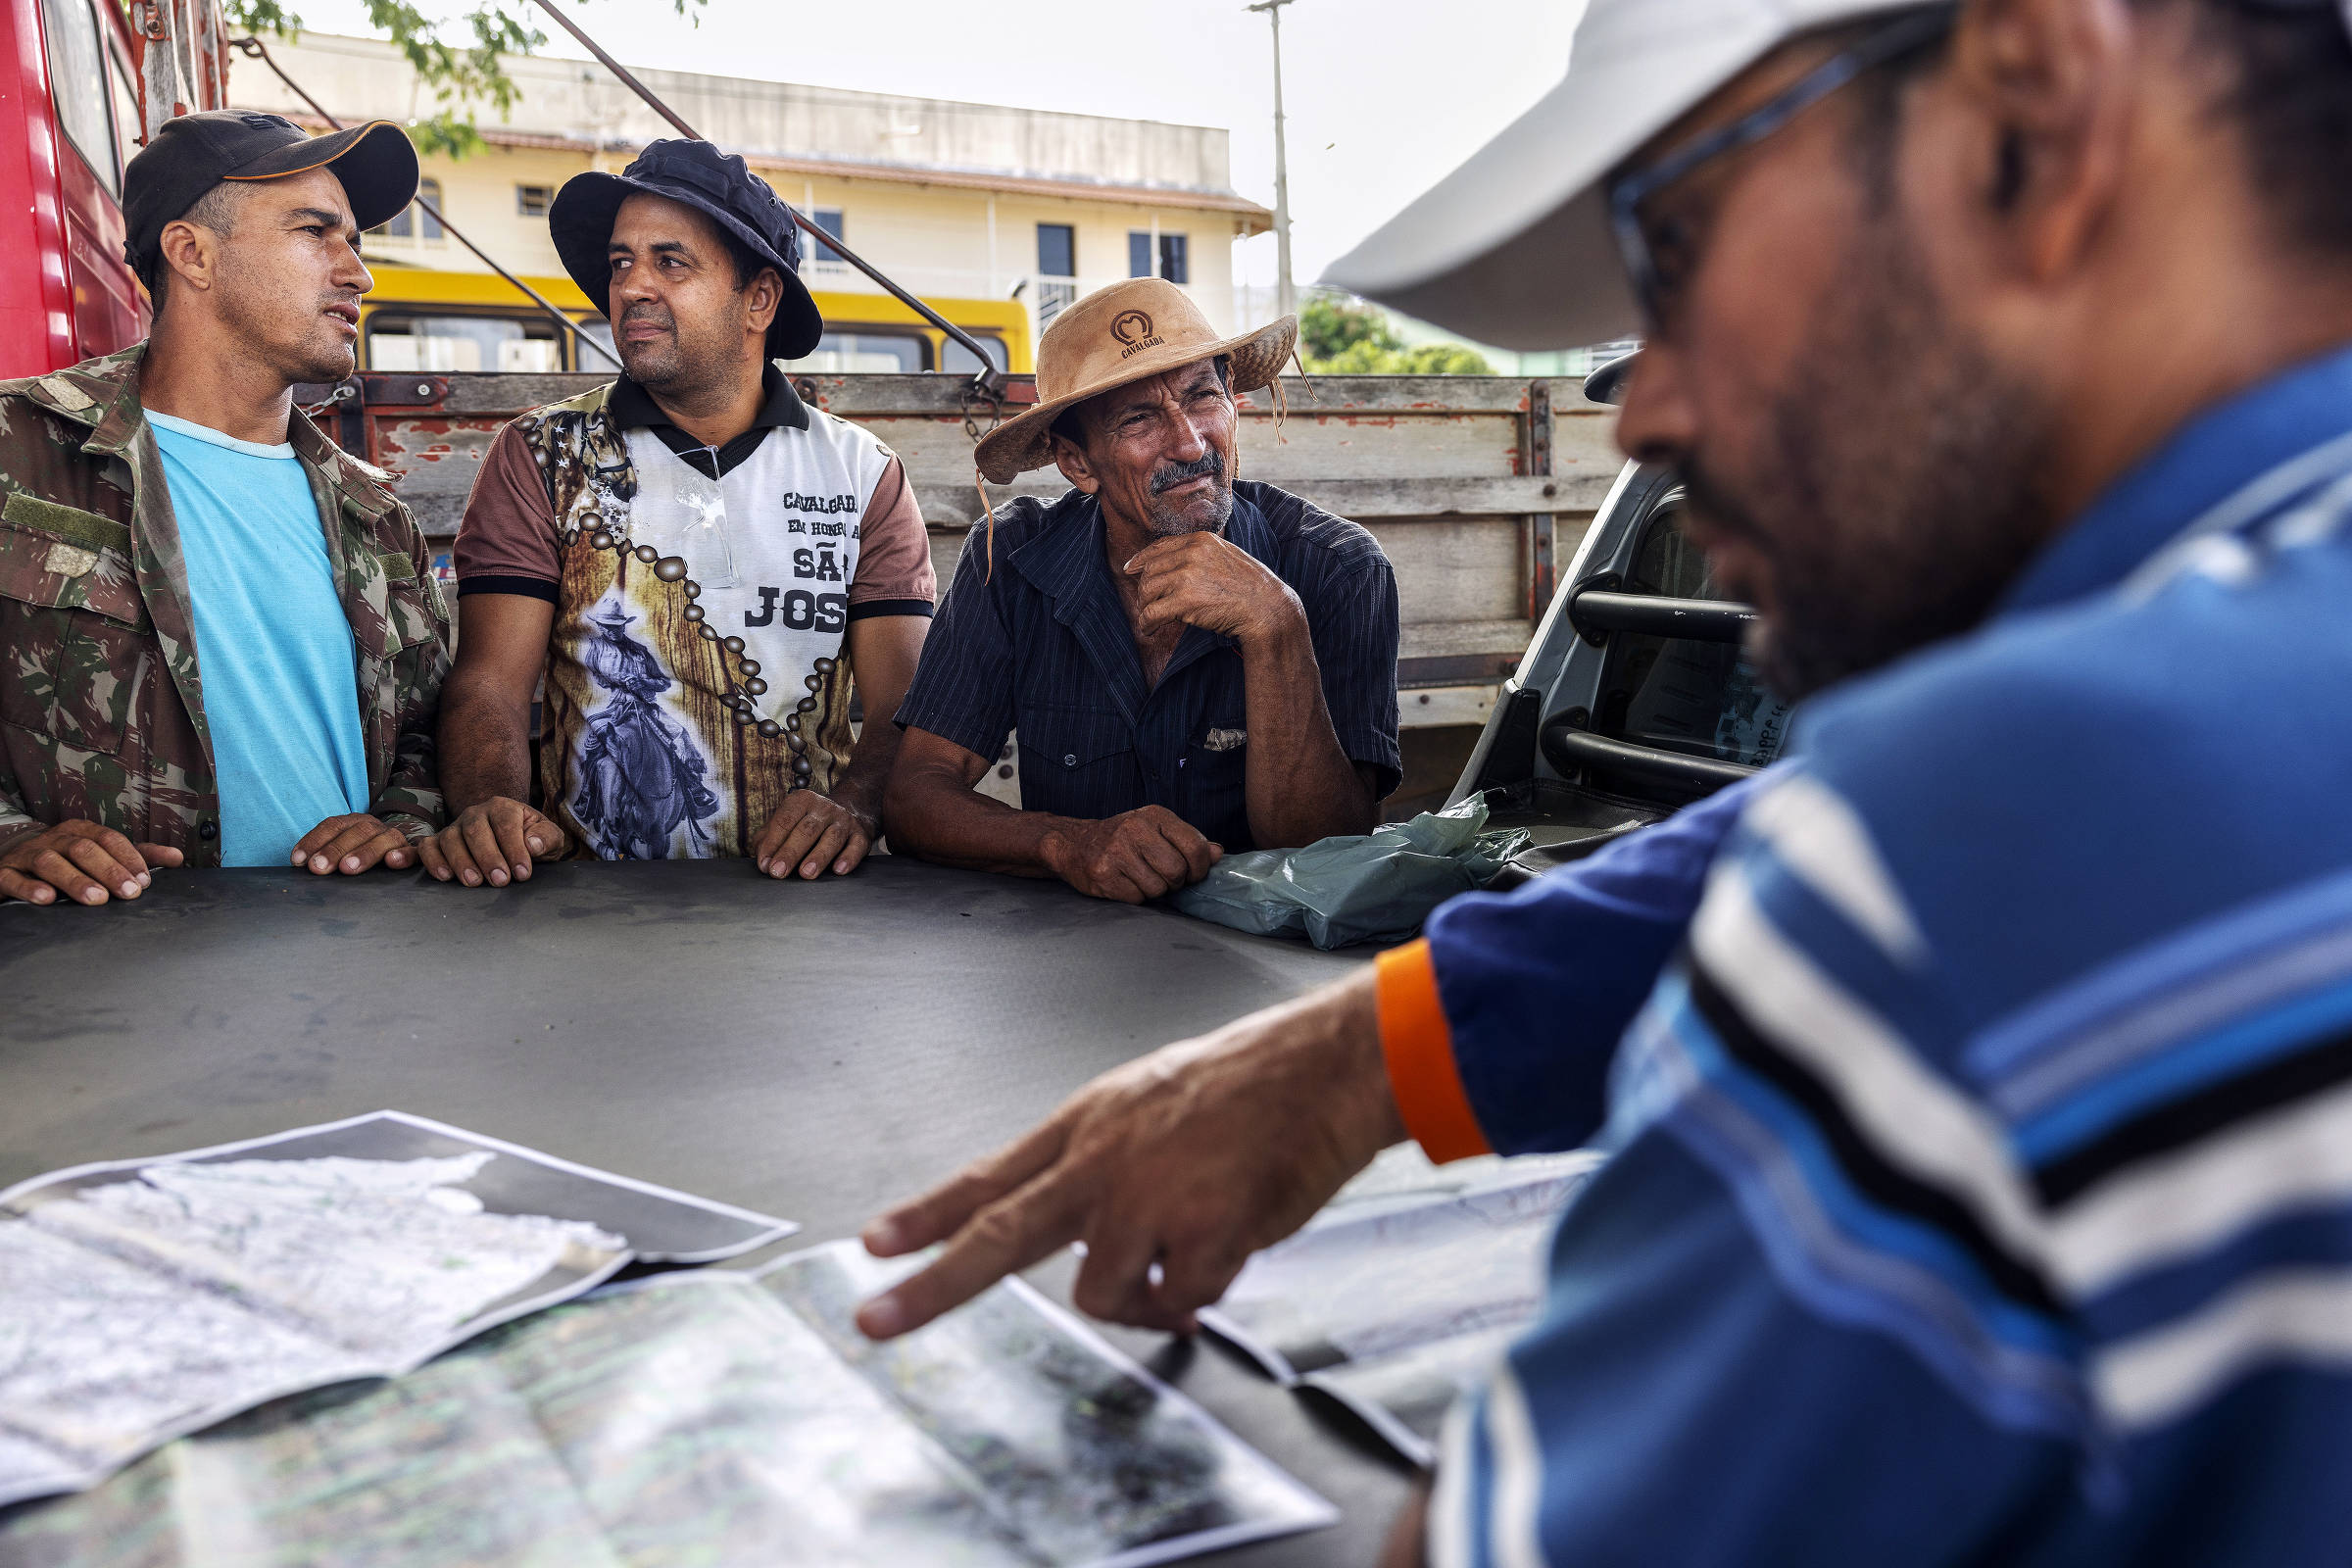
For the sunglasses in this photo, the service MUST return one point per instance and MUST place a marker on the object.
(1658, 267)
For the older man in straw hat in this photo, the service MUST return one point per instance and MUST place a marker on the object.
(1194, 665)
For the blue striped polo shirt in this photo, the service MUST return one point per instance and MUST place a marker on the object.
(1038, 642)
(1982, 1186)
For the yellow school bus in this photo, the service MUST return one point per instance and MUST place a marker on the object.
(419, 319)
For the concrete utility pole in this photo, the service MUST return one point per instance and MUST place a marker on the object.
(1286, 296)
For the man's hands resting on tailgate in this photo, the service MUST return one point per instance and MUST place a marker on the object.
(79, 862)
(492, 843)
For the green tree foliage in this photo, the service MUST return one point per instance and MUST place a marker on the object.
(460, 74)
(1346, 338)
(1329, 327)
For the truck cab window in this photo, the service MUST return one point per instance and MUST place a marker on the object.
(1675, 694)
(128, 129)
(78, 85)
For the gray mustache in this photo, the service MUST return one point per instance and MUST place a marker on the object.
(1168, 478)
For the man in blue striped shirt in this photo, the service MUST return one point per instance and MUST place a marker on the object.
(1982, 1176)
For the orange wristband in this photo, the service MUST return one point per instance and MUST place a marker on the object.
(1418, 1046)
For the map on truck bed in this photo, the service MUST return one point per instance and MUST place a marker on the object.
(1405, 1289)
(715, 1418)
(143, 1299)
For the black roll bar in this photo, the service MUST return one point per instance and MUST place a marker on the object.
(1573, 751)
(1596, 611)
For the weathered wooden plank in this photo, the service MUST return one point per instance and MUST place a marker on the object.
(1439, 640)
(1433, 706)
(851, 396)
(1388, 446)
(506, 396)
(1463, 568)
(1364, 500)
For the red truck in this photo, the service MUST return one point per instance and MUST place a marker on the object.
(80, 80)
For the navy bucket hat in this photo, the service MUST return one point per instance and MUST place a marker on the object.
(719, 185)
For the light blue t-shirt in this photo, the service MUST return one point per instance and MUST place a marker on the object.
(281, 691)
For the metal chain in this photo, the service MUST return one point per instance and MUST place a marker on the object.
(746, 685)
(971, 393)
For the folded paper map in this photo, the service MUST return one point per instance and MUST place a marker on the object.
(141, 1299)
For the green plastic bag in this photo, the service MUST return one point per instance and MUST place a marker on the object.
(1369, 887)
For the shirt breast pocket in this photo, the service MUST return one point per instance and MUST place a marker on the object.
(407, 619)
(1082, 760)
(76, 639)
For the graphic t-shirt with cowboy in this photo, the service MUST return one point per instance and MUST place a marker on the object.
(702, 599)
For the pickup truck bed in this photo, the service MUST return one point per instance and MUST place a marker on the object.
(813, 1050)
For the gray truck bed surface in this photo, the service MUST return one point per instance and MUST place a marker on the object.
(810, 1050)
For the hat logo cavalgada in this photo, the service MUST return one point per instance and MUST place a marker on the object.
(1134, 328)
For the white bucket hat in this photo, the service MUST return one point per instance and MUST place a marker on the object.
(1515, 247)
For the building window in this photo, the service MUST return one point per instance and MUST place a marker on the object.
(412, 222)
(1173, 261)
(827, 218)
(530, 201)
(1057, 250)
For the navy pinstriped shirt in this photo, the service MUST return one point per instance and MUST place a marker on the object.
(1043, 647)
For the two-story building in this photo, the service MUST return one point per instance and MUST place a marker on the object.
(995, 217)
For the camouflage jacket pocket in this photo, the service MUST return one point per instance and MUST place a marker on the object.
(76, 639)
(61, 557)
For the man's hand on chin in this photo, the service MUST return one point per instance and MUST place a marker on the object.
(811, 834)
(353, 844)
(1206, 580)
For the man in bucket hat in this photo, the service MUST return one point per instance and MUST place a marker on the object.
(218, 641)
(691, 530)
(1194, 664)
(1978, 1188)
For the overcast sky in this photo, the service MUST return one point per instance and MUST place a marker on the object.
(1383, 96)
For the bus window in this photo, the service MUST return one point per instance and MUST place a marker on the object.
(78, 85)
(596, 330)
(957, 359)
(400, 341)
(884, 352)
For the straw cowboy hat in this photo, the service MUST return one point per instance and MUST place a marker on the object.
(1127, 332)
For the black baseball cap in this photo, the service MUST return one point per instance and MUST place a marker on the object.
(193, 152)
(719, 185)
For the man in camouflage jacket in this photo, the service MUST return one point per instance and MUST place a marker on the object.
(101, 704)
(107, 762)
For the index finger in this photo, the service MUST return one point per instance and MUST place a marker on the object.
(1005, 1237)
(1199, 853)
(1153, 553)
(310, 843)
(780, 821)
(941, 1211)
(124, 852)
(509, 829)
